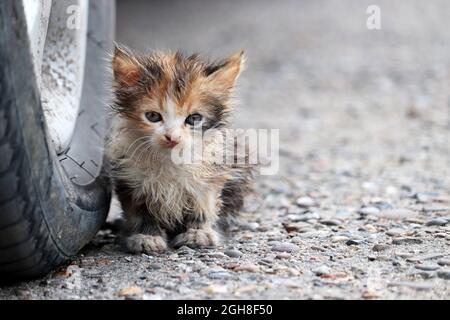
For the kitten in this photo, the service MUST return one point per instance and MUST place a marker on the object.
(161, 101)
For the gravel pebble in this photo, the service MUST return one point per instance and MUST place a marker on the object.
(422, 197)
(306, 202)
(444, 262)
(414, 220)
(423, 274)
(444, 274)
(396, 232)
(233, 253)
(252, 226)
(218, 274)
(381, 205)
(370, 228)
(339, 238)
(267, 261)
(368, 210)
(155, 266)
(399, 241)
(437, 222)
(22, 294)
(248, 268)
(130, 291)
(285, 247)
(185, 250)
(218, 255)
(354, 242)
(404, 255)
(427, 266)
(303, 217)
(295, 226)
(214, 289)
(380, 247)
(331, 222)
(322, 270)
(283, 255)
(425, 257)
(440, 235)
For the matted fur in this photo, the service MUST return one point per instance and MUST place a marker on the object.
(161, 199)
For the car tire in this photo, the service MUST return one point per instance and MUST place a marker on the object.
(46, 215)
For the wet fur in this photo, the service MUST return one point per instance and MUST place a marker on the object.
(163, 202)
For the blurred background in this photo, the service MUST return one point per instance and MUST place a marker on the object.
(338, 91)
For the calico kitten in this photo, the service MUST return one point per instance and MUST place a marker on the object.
(161, 101)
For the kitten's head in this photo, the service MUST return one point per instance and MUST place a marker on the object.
(168, 96)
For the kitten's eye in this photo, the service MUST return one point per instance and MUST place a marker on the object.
(193, 118)
(153, 116)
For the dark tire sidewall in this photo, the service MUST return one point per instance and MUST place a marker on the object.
(71, 214)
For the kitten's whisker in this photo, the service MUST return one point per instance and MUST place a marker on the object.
(144, 152)
(138, 147)
(128, 149)
(131, 146)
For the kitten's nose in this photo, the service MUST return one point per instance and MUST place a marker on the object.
(172, 140)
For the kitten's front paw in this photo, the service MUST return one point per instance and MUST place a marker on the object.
(195, 238)
(143, 243)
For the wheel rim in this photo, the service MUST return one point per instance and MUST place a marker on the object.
(58, 35)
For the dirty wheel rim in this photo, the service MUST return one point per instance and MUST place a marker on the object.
(58, 32)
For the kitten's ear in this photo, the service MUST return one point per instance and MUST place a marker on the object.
(127, 69)
(224, 75)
